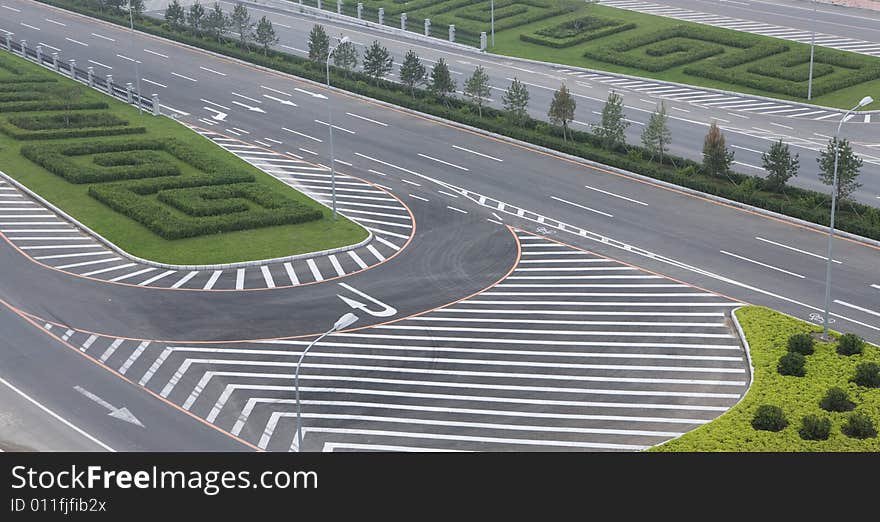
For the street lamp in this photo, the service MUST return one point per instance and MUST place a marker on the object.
(343, 322)
(812, 54)
(865, 101)
(330, 125)
(137, 72)
(492, 10)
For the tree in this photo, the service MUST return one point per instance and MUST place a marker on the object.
(69, 94)
(345, 56)
(848, 166)
(780, 165)
(516, 101)
(656, 136)
(377, 61)
(412, 72)
(612, 129)
(216, 22)
(716, 157)
(319, 44)
(241, 21)
(265, 34)
(442, 84)
(477, 88)
(562, 109)
(175, 15)
(137, 7)
(196, 17)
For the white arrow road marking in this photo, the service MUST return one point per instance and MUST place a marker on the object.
(117, 413)
(248, 107)
(312, 94)
(219, 116)
(279, 100)
(384, 311)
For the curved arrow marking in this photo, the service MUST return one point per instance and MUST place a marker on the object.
(384, 310)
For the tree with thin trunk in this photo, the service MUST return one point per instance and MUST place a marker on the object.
(241, 21)
(319, 44)
(477, 88)
(780, 165)
(848, 168)
(195, 17)
(516, 102)
(345, 57)
(377, 61)
(442, 84)
(716, 158)
(137, 7)
(562, 109)
(612, 128)
(412, 72)
(175, 15)
(69, 95)
(656, 136)
(216, 23)
(265, 34)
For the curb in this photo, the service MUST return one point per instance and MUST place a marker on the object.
(156, 264)
(633, 175)
(348, 20)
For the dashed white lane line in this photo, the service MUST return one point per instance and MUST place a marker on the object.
(616, 195)
(410, 182)
(303, 135)
(101, 64)
(307, 151)
(155, 53)
(749, 165)
(184, 77)
(478, 153)
(96, 35)
(30, 26)
(17, 11)
(347, 164)
(335, 127)
(295, 49)
(157, 84)
(50, 47)
(797, 250)
(876, 286)
(581, 206)
(243, 96)
(55, 22)
(76, 42)
(747, 149)
(383, 174)
(762, 264)
(444, 162)
(218, 73)
(448, 194)
(127, 58)
(366, 119)
(456, 209)
(859, 308)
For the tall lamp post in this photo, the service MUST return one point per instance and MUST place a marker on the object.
(137, 72)
(492, 10)
(330, 126)
(865, 101)
(812, 54)
(343, 322)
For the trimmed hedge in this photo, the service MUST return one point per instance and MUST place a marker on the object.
(207, 201)
(71, 120)
(568, 34)
(33, 106)
(60, 161)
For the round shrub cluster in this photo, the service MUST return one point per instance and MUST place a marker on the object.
(868, 375)
(836, 399)
(850, 344)
(801, 343)
(769, 418)
(814, 427)
(792, 363)
(859, 426)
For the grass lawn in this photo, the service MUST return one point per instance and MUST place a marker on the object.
(767, 332)
(137, 239)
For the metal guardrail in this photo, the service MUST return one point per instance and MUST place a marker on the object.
(68, 68)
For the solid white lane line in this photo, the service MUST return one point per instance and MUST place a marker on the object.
(212, 280)
(156, 278)
(267, 276)
(478, 153)
(291, 274)
(76, 41)
(184, 77)
(303, 135)
(314, 269)
(183, 280)
(762, 264)
(444, 162)
(824, 258)
(582, 206)
(616, 195)
(367, 119)
(859, 308)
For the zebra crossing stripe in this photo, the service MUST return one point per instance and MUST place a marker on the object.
(291, 274)
(85, 346)
(134, 357)
(314, 269)
(267, 276)
(111, 349)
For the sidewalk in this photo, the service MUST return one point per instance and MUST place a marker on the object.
(861, 4)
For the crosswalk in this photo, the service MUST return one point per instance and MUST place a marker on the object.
(51, 240)
(702, 97)
(571, 351)
(737, 24)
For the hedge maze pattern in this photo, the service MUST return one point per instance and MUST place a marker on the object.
(167, 186)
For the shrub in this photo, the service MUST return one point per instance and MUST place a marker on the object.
(836, 399)
(769, 418)
(801, 343)
(814, 427)
(859, 426)
(792, 363)
(71, 120)
(868, 375)
(850, 344)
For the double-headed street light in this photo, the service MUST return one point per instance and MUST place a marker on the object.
(343, 322)
(330, 125)
(812, 54)
(867, 100)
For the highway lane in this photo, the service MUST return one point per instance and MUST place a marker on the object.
(749, 130)
(45, 373)
(697, 233)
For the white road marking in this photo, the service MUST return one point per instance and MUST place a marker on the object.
(111, 349)
(50, 47)
(127, 58)
(314, 269)
(184, 77)
(30, 26)
(616, 195)
(132, 274)
(876, 286)
(239, 279)
(155, 53)
(76, 41)
(477, 153)
(410, 182)
(134, 357)
(100, 64)
(183, 280)
(335, 127)
(212, 280)
(303, 135)
(748, 165)
(456, 209)
(366, 119)
(244, 97)
(307, 151)
(291, 274)
(54, 22)
(859, 308)
(444, 162)
(154, 83)
(448, 194)
(582, 206)
(267, 276)
(110, 269)
(96, 35)
(156, 278)
(336, 266)
(797, 250)
(59, 256)
(762, 264)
